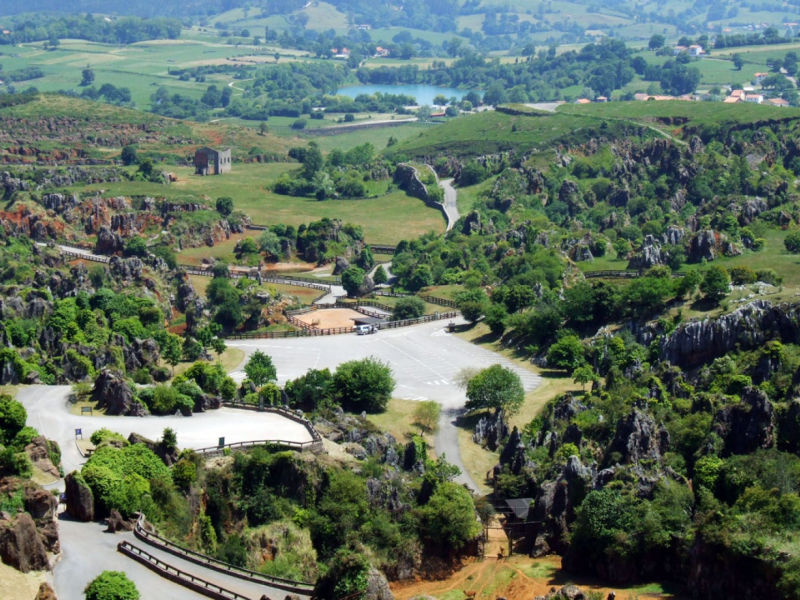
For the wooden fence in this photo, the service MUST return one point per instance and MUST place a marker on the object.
(297, 587)
(90, 257)
(382, 249)
(425, 297)
(167, 571)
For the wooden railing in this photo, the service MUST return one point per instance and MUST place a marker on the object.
(619, 274)
(425, 297)
(382, 248)
(90, 257)
(290, 585)
(199, 585)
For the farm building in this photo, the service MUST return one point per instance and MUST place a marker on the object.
(208, 161)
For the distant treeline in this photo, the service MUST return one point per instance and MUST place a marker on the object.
(125, 30)
(768, 36)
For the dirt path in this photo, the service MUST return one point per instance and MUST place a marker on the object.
(514, 578)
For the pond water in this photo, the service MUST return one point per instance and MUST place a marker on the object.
(423, 93)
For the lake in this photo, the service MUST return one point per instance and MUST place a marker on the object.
(423, 93)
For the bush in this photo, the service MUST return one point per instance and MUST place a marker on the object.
(742, 275)
(792, 242)
(299, 124)
(111, 585)
(408, 308)
(365, 384)
(495, 387)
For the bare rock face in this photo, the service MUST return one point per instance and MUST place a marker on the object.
(342, 264)
(649, 255)
(366, 286)
(114, 394)
(115, 522)
(108, 242)
(699, 342)
(45, 592)
(377, 586)
(80, 500)
(39, 453)
(141, 353)
(126, 268)
(789, 428)
(20, 544)
(40, 503)
(490, 430)
(747, 426)
(639, 438)
(702, 246)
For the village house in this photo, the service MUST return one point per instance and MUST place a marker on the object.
(754, 98)
(759, 77)
(208, 161)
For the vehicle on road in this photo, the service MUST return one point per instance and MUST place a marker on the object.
(366, 329)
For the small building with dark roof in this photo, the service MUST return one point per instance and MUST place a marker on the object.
(208, 161)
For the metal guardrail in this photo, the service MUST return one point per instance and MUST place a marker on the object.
(174, 574)
(209, 562)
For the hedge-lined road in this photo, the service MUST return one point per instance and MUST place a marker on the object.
(425, 362)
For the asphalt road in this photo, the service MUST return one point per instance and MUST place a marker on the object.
(425, 362)
(49, 414)
(86, 549)
(450, 202)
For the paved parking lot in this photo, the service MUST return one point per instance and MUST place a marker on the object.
(425, 360)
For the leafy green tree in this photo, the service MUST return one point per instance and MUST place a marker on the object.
(224, 205)
(421, 277)
(426, 415)
(584, 375)
(448, 519)
(715, 284)
(496, 316)
(495, 387)
(312, 161)
(136, 246)
(380, 276)
(472, 304)
(365, 384)
(408, 308)
(352, 280)
(171, 350)
(259, 369)
(12, 418)
(656, 41)
(567, 353)
(111, 585)
(87, 76)
(308, 391)
(792, 242)
(738, 61)
(129, 156)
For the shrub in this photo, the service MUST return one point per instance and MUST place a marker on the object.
(111, 585)
(408, 308)
(365, 384)
(742, 275)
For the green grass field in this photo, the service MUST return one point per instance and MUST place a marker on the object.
(386, 219)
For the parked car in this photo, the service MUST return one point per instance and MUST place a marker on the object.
(366, 329)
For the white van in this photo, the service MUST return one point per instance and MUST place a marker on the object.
(365, 329)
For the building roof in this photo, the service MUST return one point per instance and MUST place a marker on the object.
(778, 102)
(583, 101)
(731, 100)
(520, 507)
(365, 320)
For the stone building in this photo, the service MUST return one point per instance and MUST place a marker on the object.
(208, 161)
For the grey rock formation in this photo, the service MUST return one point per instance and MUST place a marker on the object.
(649, 255)
(20, 544)
(639, 438)
(80, 500)
(126, 268)
(491, 430)
(114, 394)
(747, 426)
(702, 246)
(108, 242)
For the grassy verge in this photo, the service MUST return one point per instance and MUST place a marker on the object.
(398, 419)
(230, 359)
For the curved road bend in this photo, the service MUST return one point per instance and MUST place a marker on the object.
(450, 202)
(425, 362)
(49, 414)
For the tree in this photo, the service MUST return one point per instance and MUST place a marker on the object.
(87, 76)
(738, 61)
(426, 415)
(380, 275)
(259, 369)
(656, 41)
(263, 128)
(566, 353)
(472, 304)
(365, 384)
(715, 283)
(584, 375)
(171, 350)
(792, 242)
(408, 308)
(111, 585)
(495, 387)
(136, 246)
(12, 418)
(448, 519)
(128, 155)
(312, 161)
(224, 205)
(352, 280)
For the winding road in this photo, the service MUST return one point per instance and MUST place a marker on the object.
(450, 202)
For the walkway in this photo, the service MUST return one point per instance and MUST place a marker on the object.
(450, 202)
